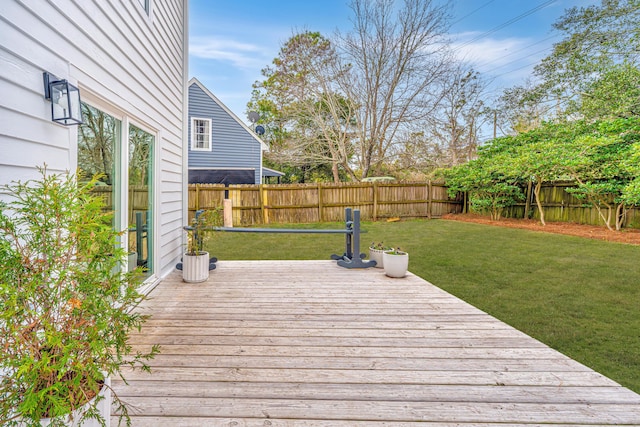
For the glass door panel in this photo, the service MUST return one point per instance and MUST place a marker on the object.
(125, 171)
(98, 140)
(140, 191)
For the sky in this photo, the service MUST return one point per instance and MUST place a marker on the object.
(231, 41)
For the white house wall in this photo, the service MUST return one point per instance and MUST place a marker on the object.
(117, 56)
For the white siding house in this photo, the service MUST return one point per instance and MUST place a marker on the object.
(129, 60)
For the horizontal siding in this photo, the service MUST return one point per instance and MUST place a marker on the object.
(116, 54)
(232, 146)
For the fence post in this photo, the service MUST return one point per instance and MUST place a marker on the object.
(429, 200)
(263, 204)
(320, 207)
(374, 186)
(227, 212)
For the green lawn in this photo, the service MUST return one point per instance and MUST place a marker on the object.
(579, 296)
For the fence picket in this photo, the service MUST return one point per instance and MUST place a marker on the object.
(304, 203)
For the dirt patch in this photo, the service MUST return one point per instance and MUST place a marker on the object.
(630, 236)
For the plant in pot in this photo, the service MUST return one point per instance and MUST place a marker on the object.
(67, 302)
(396, 262)
(376, 249)
(196, 262)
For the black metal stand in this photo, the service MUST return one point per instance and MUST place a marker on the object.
(351, 258)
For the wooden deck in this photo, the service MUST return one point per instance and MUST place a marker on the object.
(307, 343)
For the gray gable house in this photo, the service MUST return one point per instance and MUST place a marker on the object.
(222, 149)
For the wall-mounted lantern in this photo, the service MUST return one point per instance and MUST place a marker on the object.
(65, 100)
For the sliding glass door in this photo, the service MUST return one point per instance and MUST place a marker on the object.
(123, 161)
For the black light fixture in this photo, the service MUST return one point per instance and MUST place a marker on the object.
(65, 100)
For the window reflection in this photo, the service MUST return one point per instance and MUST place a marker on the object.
(100, 152)
(140, 197)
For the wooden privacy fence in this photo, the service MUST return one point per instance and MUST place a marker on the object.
(305, 203)
(562, 206)
(322, 202)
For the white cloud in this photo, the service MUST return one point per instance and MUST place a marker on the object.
(239, 54)
(510, 58)
(488, 52)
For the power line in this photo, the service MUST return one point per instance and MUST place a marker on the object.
(511, 71)
(515, 61)
(506, 24)
(472, 12)
(483, 64)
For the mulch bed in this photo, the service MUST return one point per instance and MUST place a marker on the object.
(627, 235)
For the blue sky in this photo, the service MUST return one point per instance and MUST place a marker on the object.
(232, 40)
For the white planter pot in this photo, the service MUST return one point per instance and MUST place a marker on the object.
(195, 268)
(103, 406)
(376, 255)
(395, 265)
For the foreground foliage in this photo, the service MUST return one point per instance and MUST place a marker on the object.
(66, 305)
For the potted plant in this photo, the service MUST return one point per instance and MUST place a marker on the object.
(196, 263)
(67, 302)
(375, 253)
(396, 262)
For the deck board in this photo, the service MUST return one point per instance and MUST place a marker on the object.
(307, 343)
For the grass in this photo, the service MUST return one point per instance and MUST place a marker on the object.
(579, 296)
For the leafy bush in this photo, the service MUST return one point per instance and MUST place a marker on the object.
(66, 302)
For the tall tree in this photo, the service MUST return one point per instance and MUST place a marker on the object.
(520, 109)
(591, 73)
(454, 125)
(96, 144)
(309, 119)
(397, 55)
(615, 94)
(597, 40)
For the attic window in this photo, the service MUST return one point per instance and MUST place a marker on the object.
(200, 134)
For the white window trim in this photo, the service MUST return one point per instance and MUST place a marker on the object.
(193, 128)
(125, 120)
(146, 6)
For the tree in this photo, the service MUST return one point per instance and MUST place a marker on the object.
(520, 109)
(631, 193)
(597, 39)
(602, 157)
(397, 58)
(600, 168)
(454, 125)
(484, 179)
(415, 156)
(615, 94)
(547, 154)
(95, 144)
(591, 73)
(140, 146)
(308, 117)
